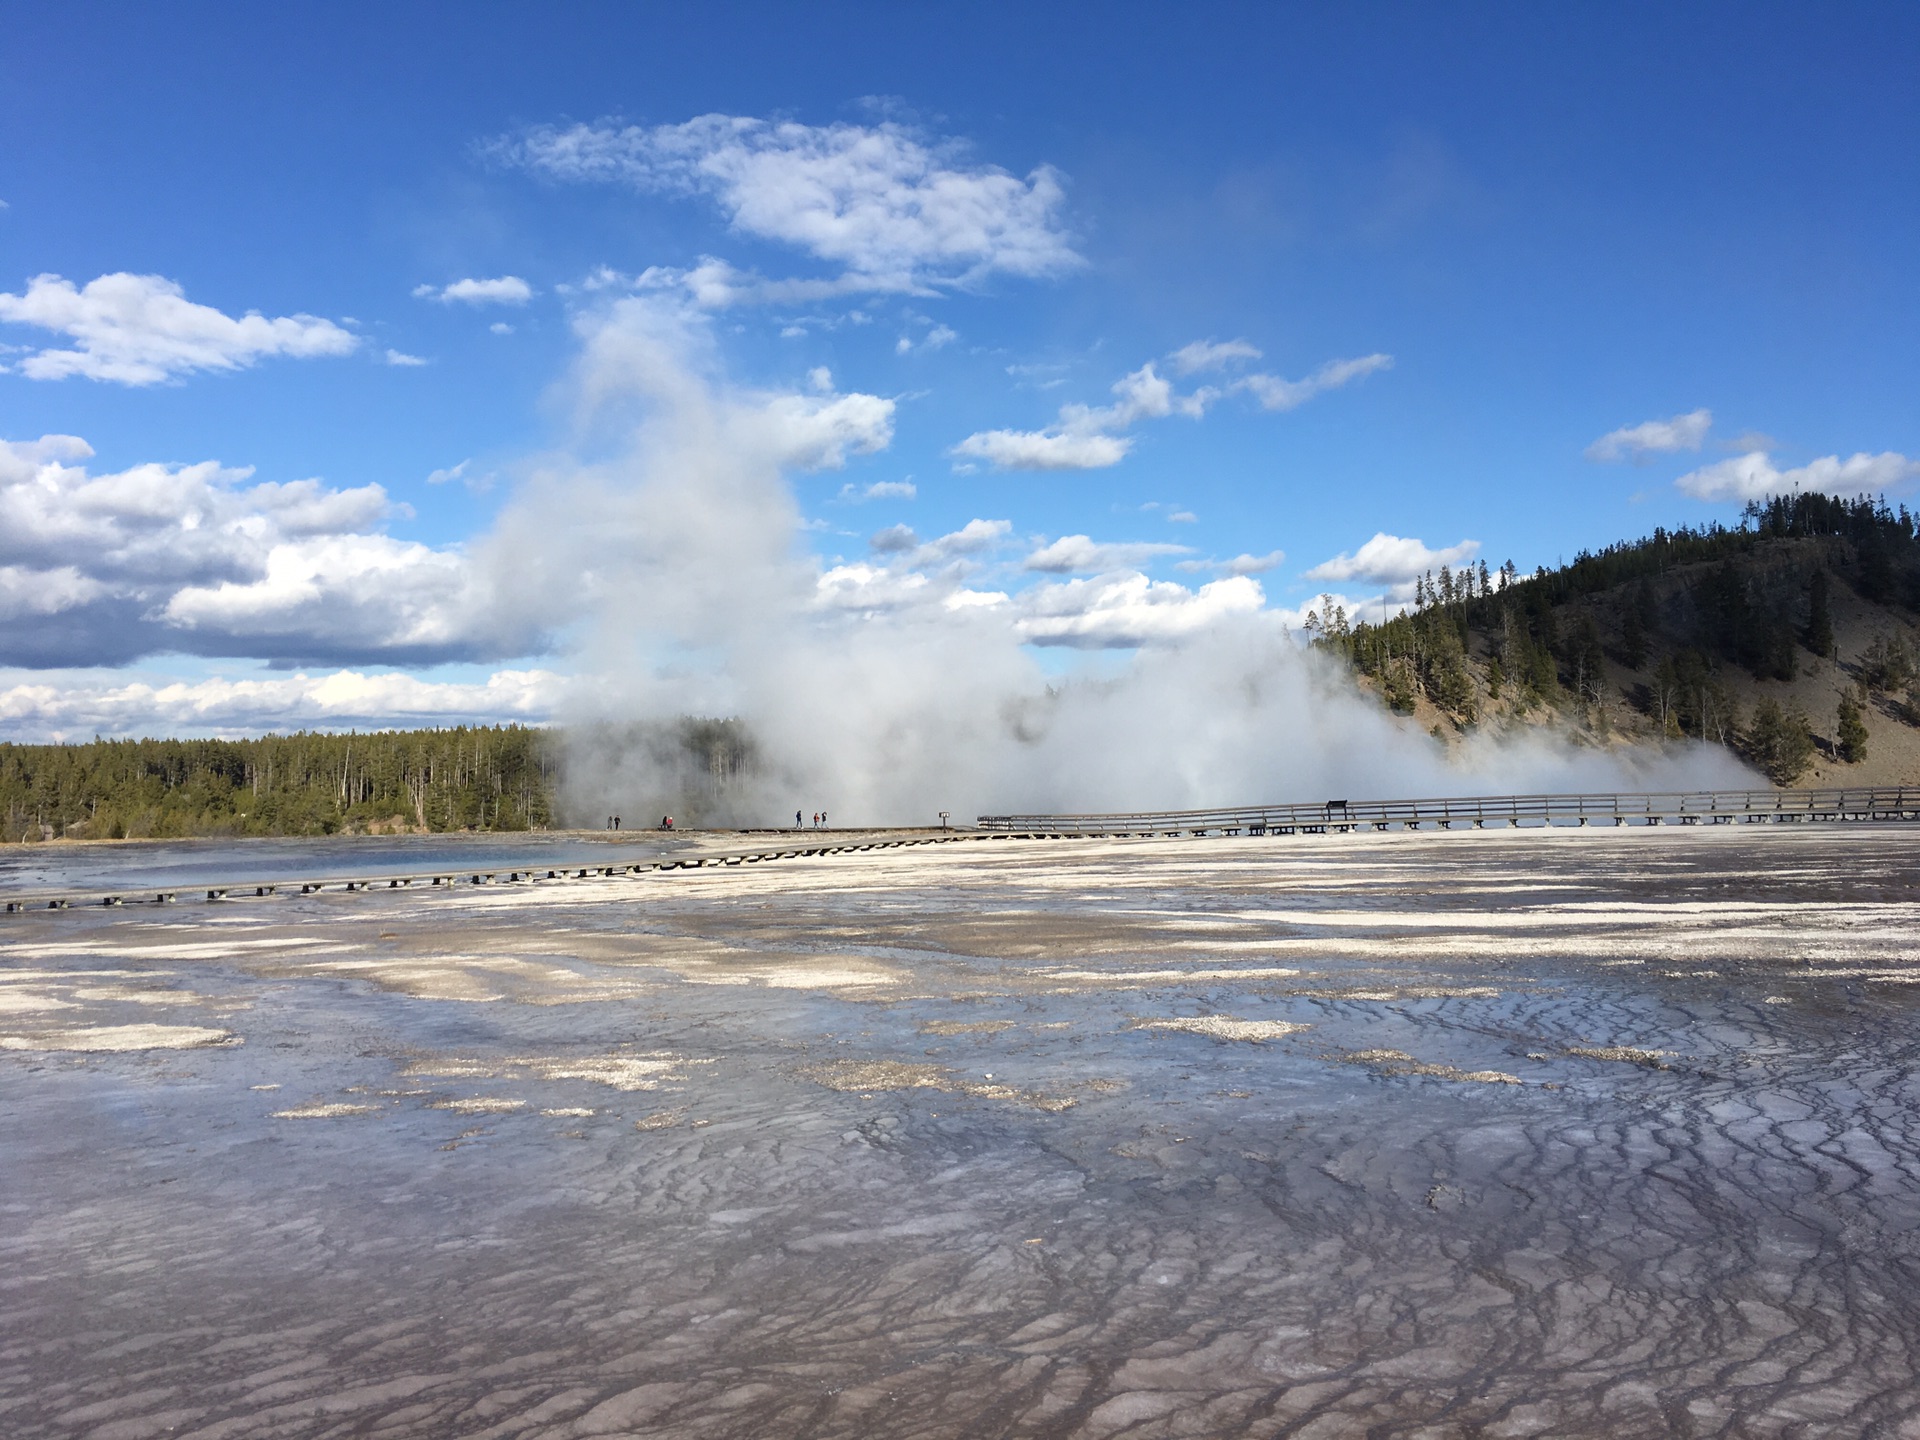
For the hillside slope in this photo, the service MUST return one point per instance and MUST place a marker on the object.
(1761, 638)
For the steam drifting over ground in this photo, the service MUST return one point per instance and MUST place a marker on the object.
(888, 691)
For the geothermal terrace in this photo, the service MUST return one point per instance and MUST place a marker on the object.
(1498, 1132)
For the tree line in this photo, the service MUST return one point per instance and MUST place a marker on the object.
(464, 778)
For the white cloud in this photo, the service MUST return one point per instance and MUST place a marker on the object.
(818, 432)
(1079, 554)
(368, 593)
(870, 589)
(1210, 355)
(1391, 560)
(501, 290)
(25, 592)
(141, 330)
(1089, 437)
(400, 357)
(1754, 476)
(1183, 517)
(1239, 565)
(1274, 393)
(1125, 611)
(463, 472)
(895, 582)
(237, 707)
(934, 339)
(1654, 437)
(500, 327)
(975, 599)
(976, 537)
(881, 490)
(893, 209)
(1083, 438)
(203, 559)
(1043, 450)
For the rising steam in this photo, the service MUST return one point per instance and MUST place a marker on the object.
(669, 530)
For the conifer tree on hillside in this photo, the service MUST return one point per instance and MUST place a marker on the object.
(1637, 619)
(1779, 741)
(1850, 730)
(1819, 635)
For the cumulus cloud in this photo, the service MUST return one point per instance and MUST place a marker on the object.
(201, 558)
(1391, 560)
(976, 537)
(818, 432)
(1653, 437)
(142, 330)
(339, 595)
(238, 707)
(892, 208)
(400, 357)
(1754, 476)
(1043, 450)
(871, 589)
(1126, 611)
(1275, 393)
(501, 290)
(893, 540)
(1078, 554)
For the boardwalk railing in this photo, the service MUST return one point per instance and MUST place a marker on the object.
(1683, 806)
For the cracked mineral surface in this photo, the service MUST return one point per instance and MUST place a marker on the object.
(1539, 1133)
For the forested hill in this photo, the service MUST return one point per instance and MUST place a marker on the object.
(509, 777)
(305, 784)
(1790, 638)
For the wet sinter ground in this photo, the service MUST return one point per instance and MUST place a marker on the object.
(1522, 1133)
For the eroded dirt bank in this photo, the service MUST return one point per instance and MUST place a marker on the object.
(1502, 1134)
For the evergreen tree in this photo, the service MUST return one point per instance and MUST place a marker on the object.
(1820, 619)
(1887, 665)
(1398, 685)
(1633, 631)
(1850, 730)
(1779, 741)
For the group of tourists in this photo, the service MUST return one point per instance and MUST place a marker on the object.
(819, 820)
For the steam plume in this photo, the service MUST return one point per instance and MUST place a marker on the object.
(670, 530)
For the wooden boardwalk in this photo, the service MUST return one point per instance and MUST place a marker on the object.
(1685, 807)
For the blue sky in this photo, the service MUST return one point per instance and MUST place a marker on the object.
(1442, 254)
